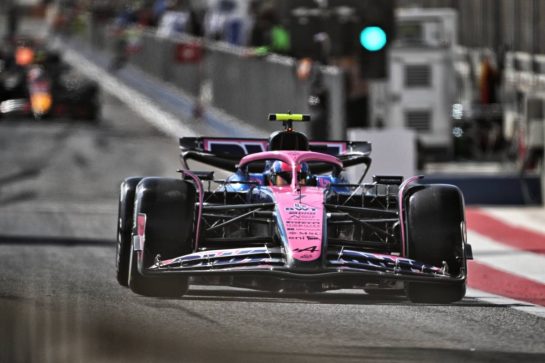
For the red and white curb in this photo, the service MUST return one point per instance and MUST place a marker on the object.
(509, 252)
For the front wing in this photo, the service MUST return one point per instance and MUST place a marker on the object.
(337, 264)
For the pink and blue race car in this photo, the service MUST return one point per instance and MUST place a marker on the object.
(287, 219)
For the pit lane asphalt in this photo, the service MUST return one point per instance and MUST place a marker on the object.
(59, 301)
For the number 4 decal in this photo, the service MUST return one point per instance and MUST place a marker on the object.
(308, 249)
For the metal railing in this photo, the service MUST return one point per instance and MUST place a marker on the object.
(227, 77)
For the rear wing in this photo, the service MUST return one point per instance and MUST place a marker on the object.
(225, 153)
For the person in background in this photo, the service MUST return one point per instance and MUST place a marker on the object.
(125, 17)
(123, 21)
(240, 22)
(158, 9)
(144, 14)
(178, 18)
(269, 35)
(174, 20)
(488, 81)
(249, 22)
(489, 131)
(216, 18)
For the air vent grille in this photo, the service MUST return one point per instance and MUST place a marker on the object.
(419, 120)
(417, 76)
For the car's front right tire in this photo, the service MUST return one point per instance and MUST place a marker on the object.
(168, 206)
(124, 229)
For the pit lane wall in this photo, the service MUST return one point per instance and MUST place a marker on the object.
(229, 78)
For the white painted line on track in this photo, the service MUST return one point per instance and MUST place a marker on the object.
(511, 303)
(145, 107)
(517, 262)
(530, 218)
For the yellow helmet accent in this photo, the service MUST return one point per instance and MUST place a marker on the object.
(288, 117)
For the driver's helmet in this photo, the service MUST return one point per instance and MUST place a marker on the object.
(281, 173)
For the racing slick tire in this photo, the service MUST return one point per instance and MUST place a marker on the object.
(435, 215)
(125, 221)
(169, 206)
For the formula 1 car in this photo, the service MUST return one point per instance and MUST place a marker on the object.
(287, 220)
(35, 82)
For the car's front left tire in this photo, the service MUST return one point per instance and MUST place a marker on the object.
(435, 216)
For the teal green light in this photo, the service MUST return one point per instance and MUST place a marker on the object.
(373, 38)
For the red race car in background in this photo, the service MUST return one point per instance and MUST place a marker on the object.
(34, 82)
